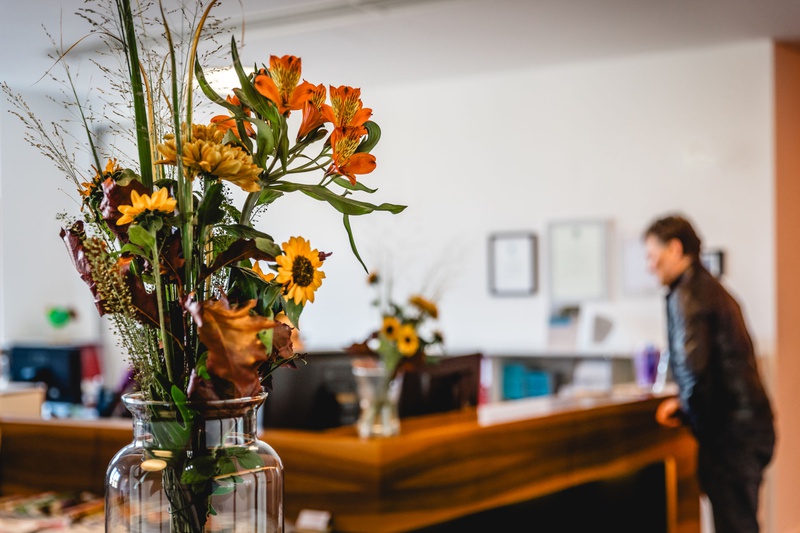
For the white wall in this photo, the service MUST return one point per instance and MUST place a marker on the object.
(37, 271)
(624, 140)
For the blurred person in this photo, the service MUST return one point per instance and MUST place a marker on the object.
(721, 397)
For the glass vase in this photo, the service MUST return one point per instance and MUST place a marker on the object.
(196, 469)
(378, 397)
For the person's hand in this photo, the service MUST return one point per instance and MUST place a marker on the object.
(667, 413)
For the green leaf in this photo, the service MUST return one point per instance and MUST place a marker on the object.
(283, 149)
(248, 95)
(169, 434)
(373, 136)
(268, 196)
(268, 246)
(210, 211)
(353, 242)
(136, 91)
(209, 91)
(225, 465)
(180, 399)
(344, 205)
(243, 232)
(269, 296)
(134, 249)
(141, 237)
(231, 138)
(265, 142)
(223, 489)
(199, 469)
(345, 183)
(265, 336)
(200, 367)
(250, 460)
(292, 310)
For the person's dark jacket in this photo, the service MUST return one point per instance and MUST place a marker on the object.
(713, 361)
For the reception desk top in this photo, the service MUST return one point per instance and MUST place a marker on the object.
(441, 467)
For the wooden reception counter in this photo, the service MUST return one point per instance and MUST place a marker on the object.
(440, 468)
(447, 466)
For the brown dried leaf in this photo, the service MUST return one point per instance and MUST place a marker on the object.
(73, 238)
(144, 303)
(231, 337)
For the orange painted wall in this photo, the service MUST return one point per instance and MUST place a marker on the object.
(786, 468)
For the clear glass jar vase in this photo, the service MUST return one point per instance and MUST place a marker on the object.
(378, 392)
(196, 469)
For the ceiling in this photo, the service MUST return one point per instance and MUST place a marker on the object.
(394, 41)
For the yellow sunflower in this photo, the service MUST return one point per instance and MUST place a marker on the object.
(298, 270)
(407, 340)
(146, 204)
(390, 328)
(424, 305)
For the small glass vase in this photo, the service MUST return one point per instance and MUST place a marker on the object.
(378, 397)
(195, 470)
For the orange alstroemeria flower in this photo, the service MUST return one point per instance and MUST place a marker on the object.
(225, 122)
(312, 111)
(346, 108)
(346, 161)
(280, 84)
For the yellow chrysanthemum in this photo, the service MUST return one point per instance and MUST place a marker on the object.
(269, 276)
(298, 270)
(390, 328)
(424, 305)
(206, 154)
(407, 340)
(144, 204)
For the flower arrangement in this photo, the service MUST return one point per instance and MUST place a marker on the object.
(382, 359)
(403, 339)
(193, 287)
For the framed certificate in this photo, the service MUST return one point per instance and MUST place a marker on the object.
(512, 264)
(578, 261)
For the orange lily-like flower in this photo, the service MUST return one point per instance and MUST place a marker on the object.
(280, 84)
(225, 122)
(346, 108)
(346, 161)
(312, 111)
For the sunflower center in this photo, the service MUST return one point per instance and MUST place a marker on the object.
(302, 271)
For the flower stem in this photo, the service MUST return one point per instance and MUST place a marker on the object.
(166, 342)
(247, 209)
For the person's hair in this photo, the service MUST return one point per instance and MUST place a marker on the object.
(676, 227)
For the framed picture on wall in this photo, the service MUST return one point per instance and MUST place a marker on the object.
(714, 261)
(578, 261)
(513, 264)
